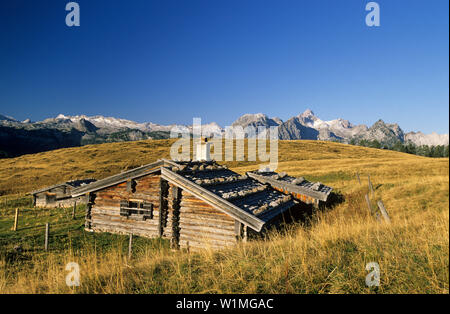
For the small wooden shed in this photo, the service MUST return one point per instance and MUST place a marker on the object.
(195, 204)
(59, 195)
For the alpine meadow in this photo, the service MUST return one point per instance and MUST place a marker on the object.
(326, 252)
(224, 156)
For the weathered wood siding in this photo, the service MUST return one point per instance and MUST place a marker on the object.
(196, 224)
(105, 212)
(201, 225)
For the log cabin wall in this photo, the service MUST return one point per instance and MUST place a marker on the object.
(195, 225)
(105, 211)
(202, 226)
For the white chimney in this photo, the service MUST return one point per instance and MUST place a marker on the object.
(203, 150)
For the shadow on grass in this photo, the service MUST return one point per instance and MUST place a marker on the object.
(301, 214)
(14, 256)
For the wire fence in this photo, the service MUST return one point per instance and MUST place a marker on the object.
(36, 228)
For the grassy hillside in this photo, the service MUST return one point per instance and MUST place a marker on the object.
(28, 172)
(328, 255)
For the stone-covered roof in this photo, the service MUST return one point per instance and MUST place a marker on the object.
(253, 197)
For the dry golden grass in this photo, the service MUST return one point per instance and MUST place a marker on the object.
(28, 172)
(327, 256)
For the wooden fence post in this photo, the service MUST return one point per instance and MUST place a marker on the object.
(16, 220)
(357, 176)
(383, 211)
(130, 246)
(73, 210)
(47, 227)
(370, 184)
(372, 212)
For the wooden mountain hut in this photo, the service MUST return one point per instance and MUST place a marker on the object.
(195, 204)
(59, 195)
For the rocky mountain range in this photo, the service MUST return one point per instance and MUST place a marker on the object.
(310, 127)
(21, 137)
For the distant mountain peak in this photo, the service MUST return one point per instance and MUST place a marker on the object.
(61, 116)
(7, 118)
(254, 116)
(308, 113)
(255, 120)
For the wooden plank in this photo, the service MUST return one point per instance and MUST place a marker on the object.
(197, 222)
(48, 188)
(290, 187)
(372, 212)
(192, 209)
(208, 219)
(123, 220)
(130, 246)
(115, 212)
(47, 230)
(126, 219)
(119, 178)
(123, 229)
(202, 234)
(16, 219)
(116, 198)
(383, 211)
(207, 229)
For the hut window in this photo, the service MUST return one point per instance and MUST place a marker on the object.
(143, 210)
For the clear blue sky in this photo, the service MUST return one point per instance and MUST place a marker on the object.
(168, 61)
